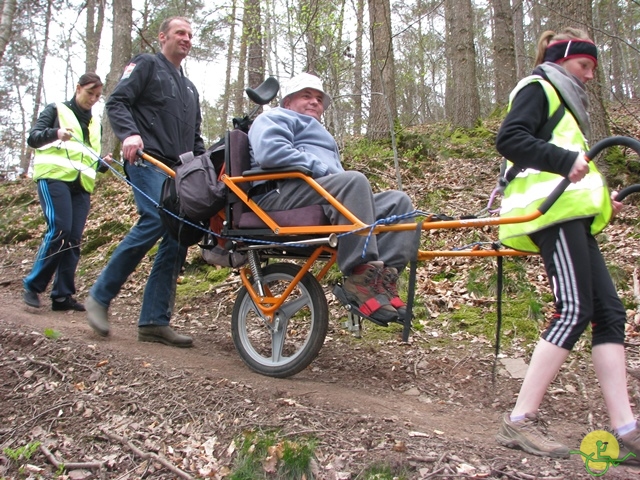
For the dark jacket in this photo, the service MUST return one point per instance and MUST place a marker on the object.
(45, 130)
(156, 101)
(517, 135)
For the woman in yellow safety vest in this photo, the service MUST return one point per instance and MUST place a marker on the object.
(583, 290)
(65, 172)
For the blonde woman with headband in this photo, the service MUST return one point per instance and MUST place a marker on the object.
(584, 293)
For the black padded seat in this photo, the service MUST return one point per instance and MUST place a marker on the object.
(243, 217)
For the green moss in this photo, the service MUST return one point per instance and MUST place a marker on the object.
(363, 151)
(191, 287)
(199, 278)
(522, 317)
(477, 142)
(94, 243)
(444, 275)
(296, 458)
(105, 233)
(33, 222)
(433, 200)
(383, 471)
(288, 459)
(22, 199)
(620, 277)
(216, 276)
(482, 278)
(620, 169)
(333, 276)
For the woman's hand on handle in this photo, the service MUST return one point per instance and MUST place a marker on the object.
(617, 206)
(64, 134)
(579, 169)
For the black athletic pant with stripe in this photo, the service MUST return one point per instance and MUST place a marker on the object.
(582, 286)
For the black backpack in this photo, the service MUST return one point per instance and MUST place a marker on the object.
(195, 194)
(200, 192)
(184, 233)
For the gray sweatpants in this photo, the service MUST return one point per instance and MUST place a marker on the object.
(353, 190)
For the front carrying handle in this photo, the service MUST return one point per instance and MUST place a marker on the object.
(632, 143)
(625, 192)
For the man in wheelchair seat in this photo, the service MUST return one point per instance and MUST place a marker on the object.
(293, 135)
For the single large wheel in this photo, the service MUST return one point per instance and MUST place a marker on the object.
(295, 338)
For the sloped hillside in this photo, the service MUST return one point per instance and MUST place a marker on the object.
(373, 407)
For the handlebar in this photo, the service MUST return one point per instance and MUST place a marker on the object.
(632, 143)
(622, 194)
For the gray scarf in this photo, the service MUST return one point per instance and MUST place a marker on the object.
(572, 92)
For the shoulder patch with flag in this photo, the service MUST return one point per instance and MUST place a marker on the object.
(128, 70)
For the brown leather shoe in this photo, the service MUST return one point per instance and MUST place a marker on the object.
(390, 282)
(163, 334)
(530, 436)
(631, 442)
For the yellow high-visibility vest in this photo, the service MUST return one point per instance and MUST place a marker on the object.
(66, 160)
(529, 189)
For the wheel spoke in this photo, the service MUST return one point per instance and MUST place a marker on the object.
(290, 308)
(277, 342)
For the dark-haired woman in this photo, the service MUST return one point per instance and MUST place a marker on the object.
(583, 291)
(65, 173)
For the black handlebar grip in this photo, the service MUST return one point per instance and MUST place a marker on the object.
(595, 150)
(622, 194)
(632, 143)
(553, 196)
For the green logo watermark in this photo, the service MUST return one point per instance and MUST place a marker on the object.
(600, 450)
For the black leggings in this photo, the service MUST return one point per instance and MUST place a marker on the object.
(581, 284)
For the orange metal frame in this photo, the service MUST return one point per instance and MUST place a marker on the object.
(269, 304)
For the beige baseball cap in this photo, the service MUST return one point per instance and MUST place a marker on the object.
(302, 81)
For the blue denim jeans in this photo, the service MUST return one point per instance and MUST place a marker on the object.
(160, 291)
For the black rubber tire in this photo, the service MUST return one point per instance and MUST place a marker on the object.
(303, 322)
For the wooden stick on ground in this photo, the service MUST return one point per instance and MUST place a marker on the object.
(146, 455)
(71, 465)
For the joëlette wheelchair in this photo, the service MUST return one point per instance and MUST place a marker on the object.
(281, 316)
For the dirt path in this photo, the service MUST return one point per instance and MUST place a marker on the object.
(430, 413)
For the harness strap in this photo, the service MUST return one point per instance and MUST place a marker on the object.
(545, 133)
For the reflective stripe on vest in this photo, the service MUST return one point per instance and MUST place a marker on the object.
(528, 190)
(65, 160)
